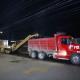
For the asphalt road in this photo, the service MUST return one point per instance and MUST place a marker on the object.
(20, 68)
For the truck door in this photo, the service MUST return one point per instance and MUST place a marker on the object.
(62, 47)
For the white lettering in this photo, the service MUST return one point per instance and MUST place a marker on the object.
(74, 47)
(71, 46)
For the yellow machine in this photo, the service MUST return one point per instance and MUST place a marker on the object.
(15, 46)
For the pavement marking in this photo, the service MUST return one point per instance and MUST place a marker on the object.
(36, 70)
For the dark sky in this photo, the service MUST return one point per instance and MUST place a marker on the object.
(19, 18)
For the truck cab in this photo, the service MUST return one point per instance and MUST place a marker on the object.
(67, 49)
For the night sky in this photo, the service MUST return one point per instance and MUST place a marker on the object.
(18, 18)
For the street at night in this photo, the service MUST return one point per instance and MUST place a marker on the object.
(20, 68)
(48, 31)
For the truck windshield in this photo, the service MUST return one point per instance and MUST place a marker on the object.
(71, 40)
(77, 40)
(68, 41)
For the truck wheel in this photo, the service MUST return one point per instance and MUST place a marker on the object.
(7, 51)
(75, 59)
(33, 55)
(41, 55)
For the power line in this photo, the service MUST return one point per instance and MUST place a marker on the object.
(60, 4)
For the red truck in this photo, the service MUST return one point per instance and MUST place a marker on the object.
(60, 46)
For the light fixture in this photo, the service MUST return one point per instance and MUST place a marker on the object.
(1, 32)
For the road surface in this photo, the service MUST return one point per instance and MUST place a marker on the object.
(20, 68)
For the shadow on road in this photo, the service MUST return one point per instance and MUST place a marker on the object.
(66, 62)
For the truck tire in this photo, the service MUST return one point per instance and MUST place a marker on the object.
(7, 51)
(75, 59)
(41, 55)
(2, 50)
(33, 54)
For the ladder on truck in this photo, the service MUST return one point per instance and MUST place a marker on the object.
(24, 41)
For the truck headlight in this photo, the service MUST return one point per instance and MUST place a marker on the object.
(63, 53)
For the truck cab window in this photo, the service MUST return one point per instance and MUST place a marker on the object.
(72, 40)
(64, 41)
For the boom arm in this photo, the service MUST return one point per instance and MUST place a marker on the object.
(24, 41)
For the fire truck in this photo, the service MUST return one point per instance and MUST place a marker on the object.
(60, 46)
